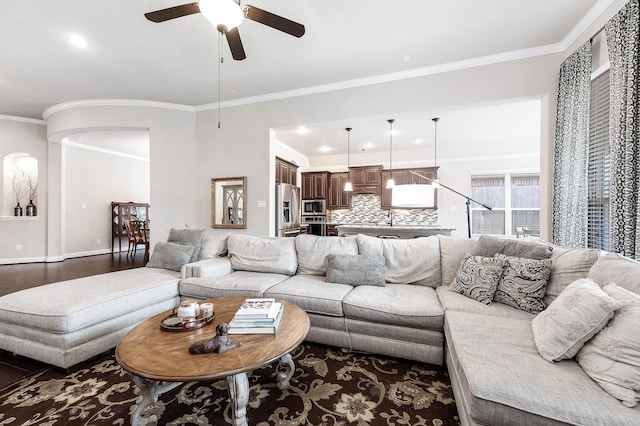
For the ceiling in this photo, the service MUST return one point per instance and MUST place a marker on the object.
(128, 57)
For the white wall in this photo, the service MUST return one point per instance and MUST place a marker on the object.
(171, 168)
(25, 136)
(88, 200)
(242, 147)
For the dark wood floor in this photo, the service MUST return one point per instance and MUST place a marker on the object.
(21, 276)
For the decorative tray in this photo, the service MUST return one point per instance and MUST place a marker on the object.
(175, 323)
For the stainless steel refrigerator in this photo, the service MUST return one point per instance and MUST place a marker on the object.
(287, 210)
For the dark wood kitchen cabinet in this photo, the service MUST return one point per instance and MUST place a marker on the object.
(338, 197)
(286, 172)
(403, 177)
(315, 185)
(332, 230)
(366, 179)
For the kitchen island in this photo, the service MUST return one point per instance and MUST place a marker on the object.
(391, 231)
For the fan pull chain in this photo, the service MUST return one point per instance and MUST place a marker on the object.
(219, 73)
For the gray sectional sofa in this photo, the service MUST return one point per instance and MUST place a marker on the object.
(419, 305)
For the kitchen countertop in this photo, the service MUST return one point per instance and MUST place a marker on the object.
(399, 231)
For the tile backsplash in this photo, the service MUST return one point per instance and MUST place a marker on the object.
(366, 209)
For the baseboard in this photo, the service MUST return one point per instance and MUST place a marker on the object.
(59, 258)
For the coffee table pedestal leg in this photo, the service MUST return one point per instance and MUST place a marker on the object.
(150, 390)
(238, 385)
(286, 369)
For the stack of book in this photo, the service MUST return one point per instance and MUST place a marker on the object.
(257, 316)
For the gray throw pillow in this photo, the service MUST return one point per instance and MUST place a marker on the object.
(169, 256)
(612, 357)
(489, 246)
(188, 237)
(478, 277)
(524, 284)
(355, 269)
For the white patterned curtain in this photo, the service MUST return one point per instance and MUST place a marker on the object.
(571, 150)
(623, 43)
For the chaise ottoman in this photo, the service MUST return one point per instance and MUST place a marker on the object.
(68, 322)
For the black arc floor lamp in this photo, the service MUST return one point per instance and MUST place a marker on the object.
(469, 199)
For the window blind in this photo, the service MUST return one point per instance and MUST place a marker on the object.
(599, 171)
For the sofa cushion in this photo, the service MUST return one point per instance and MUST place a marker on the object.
(237, 283)
(312, 293)
(407, 261)
(187, 237)
(67, 306)
(490, 246)
(395, 304)
(503, 381)
(524, 283)
(614, 268)
(263, 254)
(312, 251)
(580, 311)
(213, 245)
(478, 277)
(567, 265)
(170, 256)
(453, 301)
(612, 357)
(355, 269)
(452, 251)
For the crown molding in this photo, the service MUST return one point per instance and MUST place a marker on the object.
(587, 20)
(114, 102)
(594, 13)
(104, 150)
(385, 78)
(22, 119)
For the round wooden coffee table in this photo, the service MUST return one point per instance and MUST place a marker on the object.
(159, 360)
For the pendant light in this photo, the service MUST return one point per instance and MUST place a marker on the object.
(390, 183)
(435, 182)
(348, 186)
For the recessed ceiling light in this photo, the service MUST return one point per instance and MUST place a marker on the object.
(302, 130)
(78, 41)
(368, 145)
(418, 141)
(325, 148)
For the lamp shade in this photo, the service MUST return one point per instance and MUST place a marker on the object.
(413, 195)
(223, 14)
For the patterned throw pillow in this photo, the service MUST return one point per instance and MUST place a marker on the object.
(524, 283)
(612, 357)
(355, 269)
(170, 256)
(478, 277)
(574, 317)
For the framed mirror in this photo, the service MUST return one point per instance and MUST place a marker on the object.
(228, 201)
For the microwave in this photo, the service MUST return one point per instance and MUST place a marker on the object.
(314, 207)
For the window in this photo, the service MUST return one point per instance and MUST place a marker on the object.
(515, 202)
(599, 171)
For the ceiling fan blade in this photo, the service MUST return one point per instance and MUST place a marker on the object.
(274, 21)
(235, 44)
(173, 12)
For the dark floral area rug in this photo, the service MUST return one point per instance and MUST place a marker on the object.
(329, 388)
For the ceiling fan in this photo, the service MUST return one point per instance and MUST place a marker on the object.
(226, 15)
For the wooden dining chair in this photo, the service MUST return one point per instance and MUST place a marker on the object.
(137, 232)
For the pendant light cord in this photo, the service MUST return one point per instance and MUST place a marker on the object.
(390, 146)
(220, 37)
(435, 141)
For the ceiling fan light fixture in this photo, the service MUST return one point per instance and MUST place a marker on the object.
(223, 14)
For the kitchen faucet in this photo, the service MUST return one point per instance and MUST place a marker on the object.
(390, 216)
